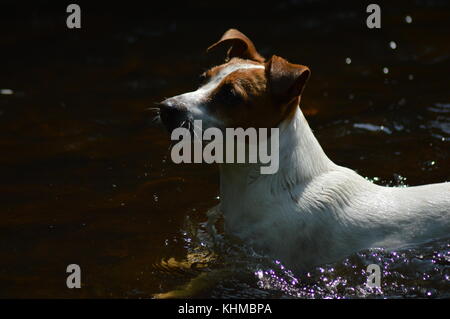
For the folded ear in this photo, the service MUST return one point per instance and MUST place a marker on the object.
(239, 46)
(286, 80)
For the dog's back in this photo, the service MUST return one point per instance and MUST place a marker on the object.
(333, 215)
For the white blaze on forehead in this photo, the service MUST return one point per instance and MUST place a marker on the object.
(196, 96)
(193, 100)
(215, 80)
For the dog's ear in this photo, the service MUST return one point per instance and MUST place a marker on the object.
(239, 46)
(286, 80)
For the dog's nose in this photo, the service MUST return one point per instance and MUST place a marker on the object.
(172, 114)
(167, 103)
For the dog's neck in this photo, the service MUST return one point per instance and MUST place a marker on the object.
(301, 158)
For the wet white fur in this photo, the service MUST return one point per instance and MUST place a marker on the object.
(313, 211)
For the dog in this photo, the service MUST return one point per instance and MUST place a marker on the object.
(311, 211)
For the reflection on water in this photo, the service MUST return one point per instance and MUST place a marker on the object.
(224, 268)
(86, 177)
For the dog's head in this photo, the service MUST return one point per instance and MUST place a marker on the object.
(246, 91)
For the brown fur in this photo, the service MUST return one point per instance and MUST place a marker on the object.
(255, 97)
(248, 97)
(239, 46)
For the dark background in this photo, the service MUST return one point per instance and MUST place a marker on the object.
(85, 173)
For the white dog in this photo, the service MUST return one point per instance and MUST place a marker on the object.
(311, 211)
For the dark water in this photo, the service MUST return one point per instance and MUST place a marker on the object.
(85, 173)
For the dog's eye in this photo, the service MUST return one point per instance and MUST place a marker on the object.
(229, 94)
(202, 78)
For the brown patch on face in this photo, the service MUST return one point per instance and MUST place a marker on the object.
(216, 69)
(256, 97)
(243, 100)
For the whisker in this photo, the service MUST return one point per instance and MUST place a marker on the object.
(200, 129)
(189, 125)
(196, 127)
(153, 109)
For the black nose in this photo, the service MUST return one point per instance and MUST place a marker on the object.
(172, 115)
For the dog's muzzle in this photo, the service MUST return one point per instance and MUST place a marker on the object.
(173, 115)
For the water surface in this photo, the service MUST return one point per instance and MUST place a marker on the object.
(86, 176)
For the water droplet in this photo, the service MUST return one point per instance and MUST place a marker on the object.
(6, 91)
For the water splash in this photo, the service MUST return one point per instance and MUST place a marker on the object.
(229, 269)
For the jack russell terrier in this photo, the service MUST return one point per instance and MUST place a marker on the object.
(311, 211)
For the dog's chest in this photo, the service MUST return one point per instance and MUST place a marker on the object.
(264, 215)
